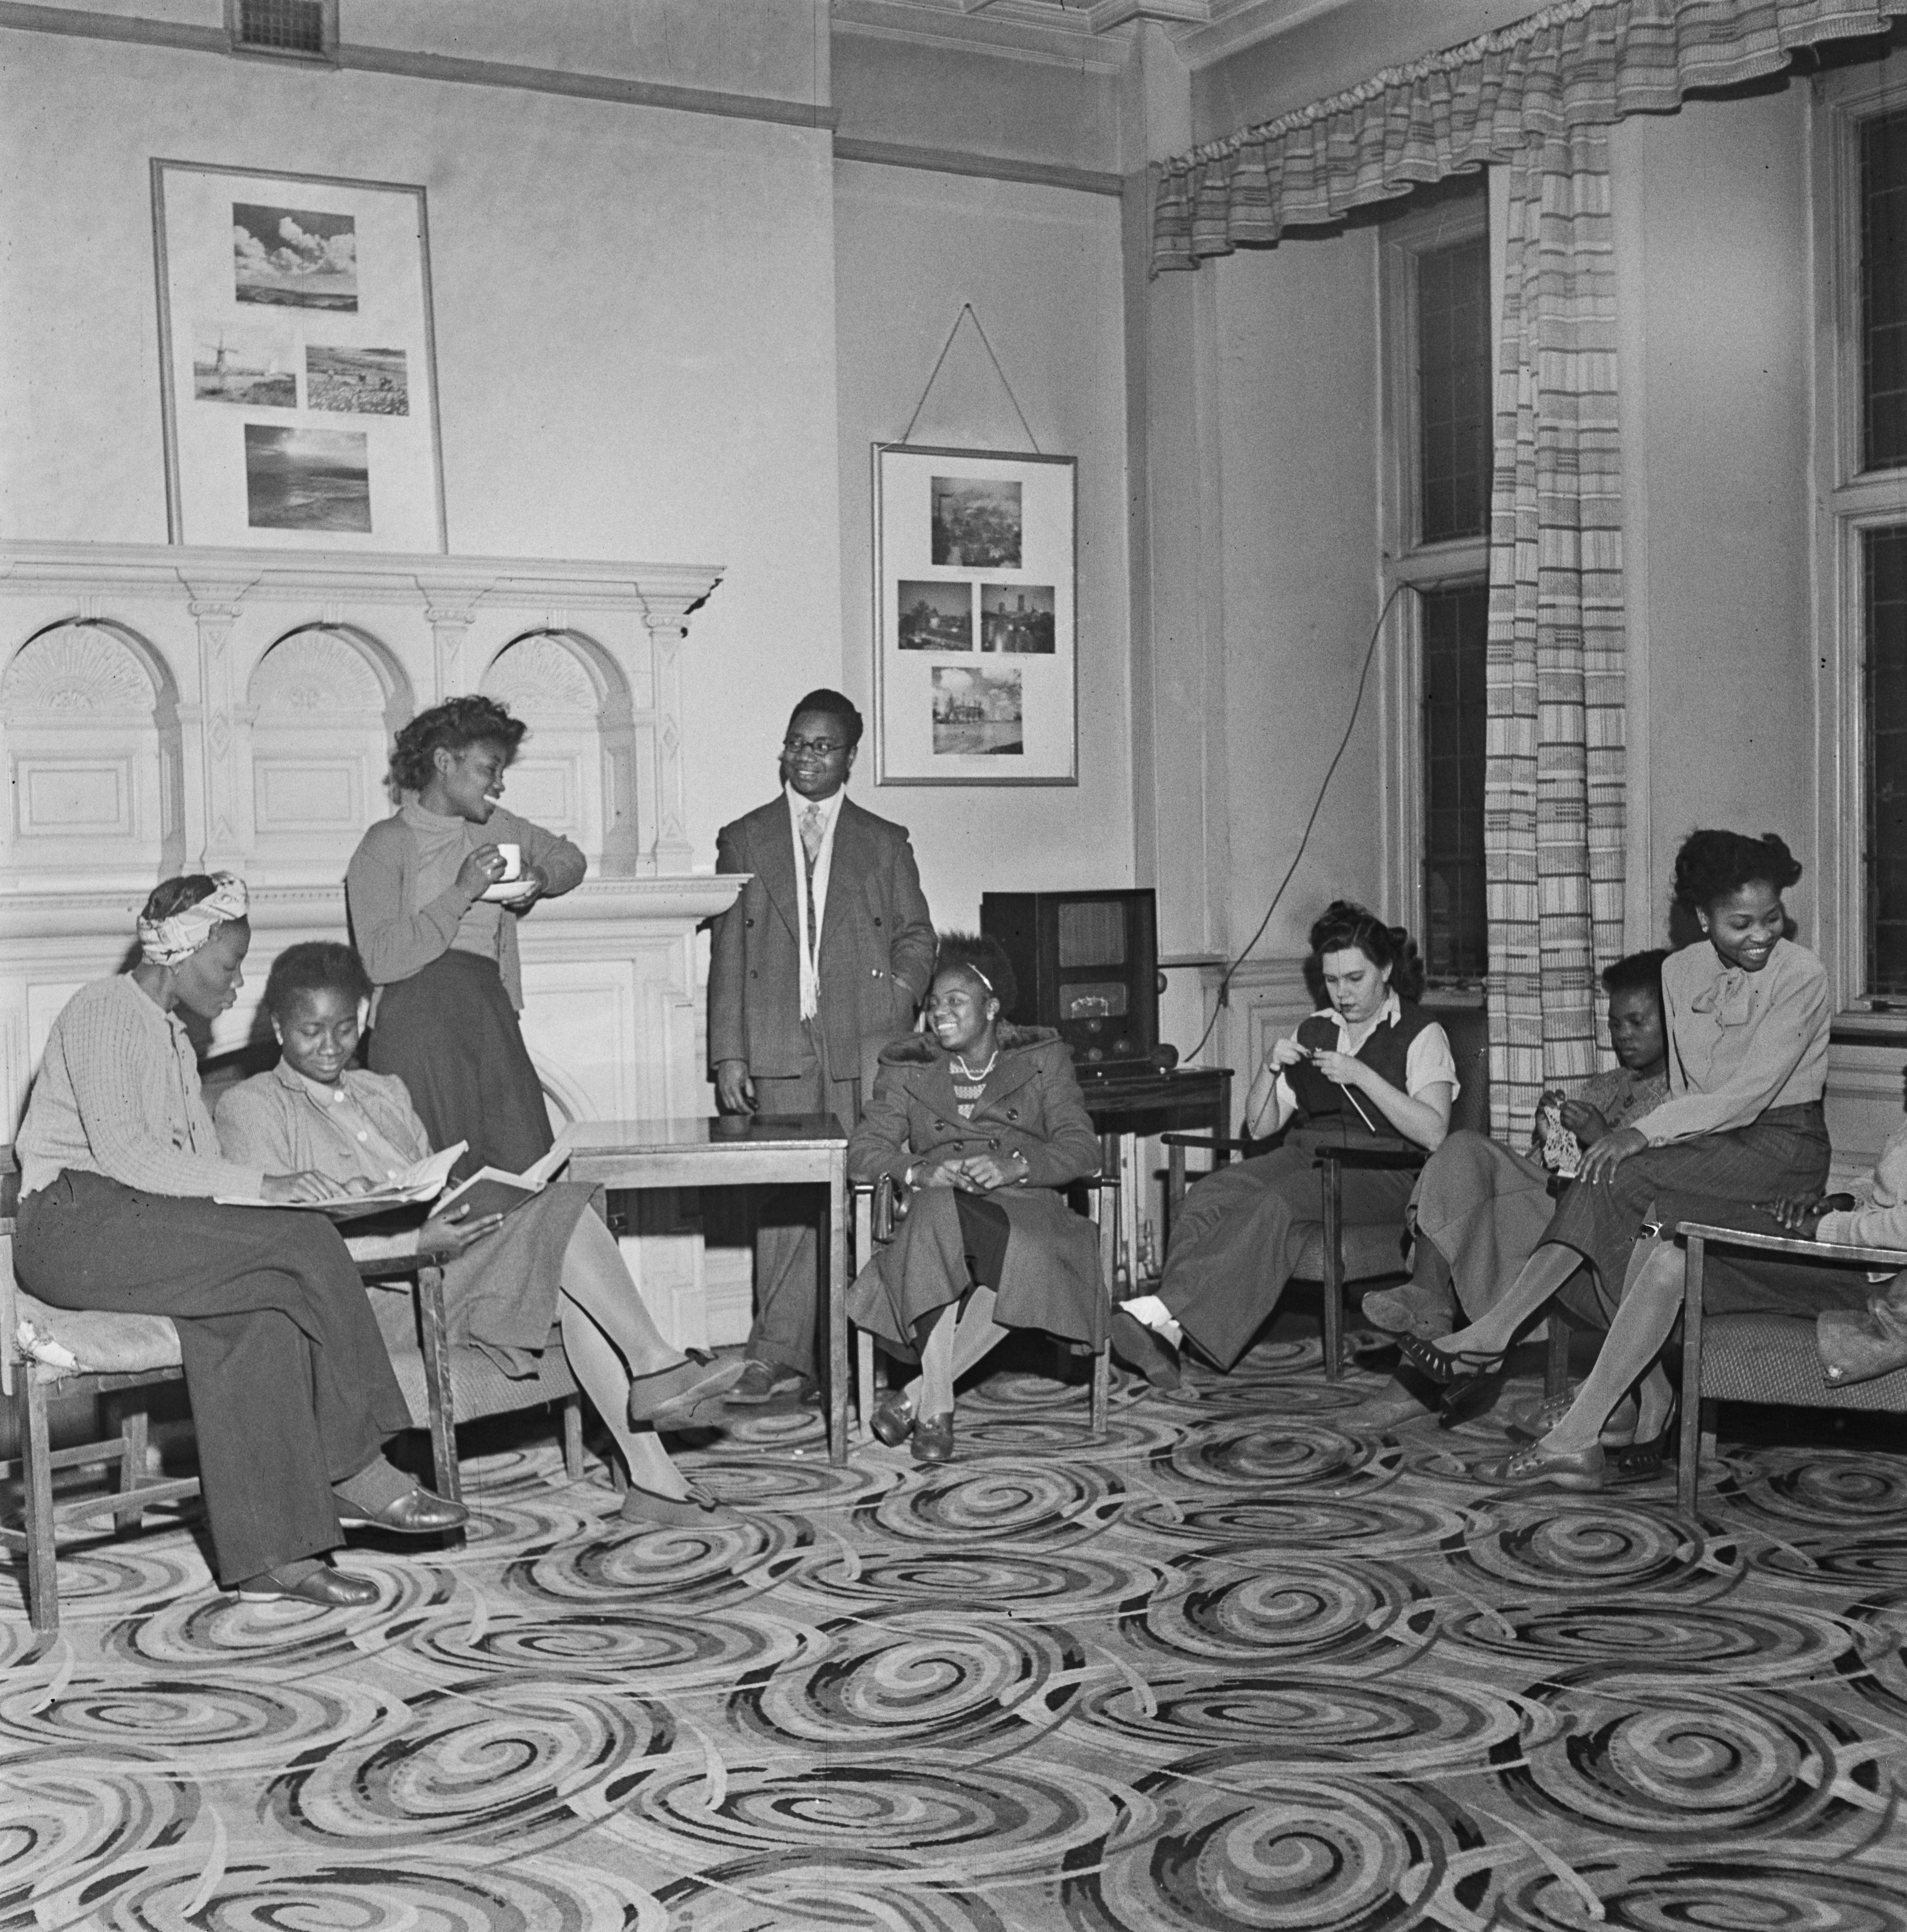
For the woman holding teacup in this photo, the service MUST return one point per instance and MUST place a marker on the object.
(434, 892)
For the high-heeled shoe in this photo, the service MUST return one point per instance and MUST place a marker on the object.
(893, 1418)
(934, 1437)
(696, 1509)
(1643, 1460)
(1449, 1367)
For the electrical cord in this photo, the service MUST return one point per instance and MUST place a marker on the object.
(1316, 806)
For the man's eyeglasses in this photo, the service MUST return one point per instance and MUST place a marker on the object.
(822, 748)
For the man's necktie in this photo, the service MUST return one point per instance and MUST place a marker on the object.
(810, 844)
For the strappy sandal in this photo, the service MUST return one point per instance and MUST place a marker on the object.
(1450, 1368)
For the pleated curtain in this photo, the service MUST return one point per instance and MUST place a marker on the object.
(1554, 796)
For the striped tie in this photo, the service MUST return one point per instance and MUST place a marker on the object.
(810, 844)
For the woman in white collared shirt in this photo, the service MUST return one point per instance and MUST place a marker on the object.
(1371, 1068)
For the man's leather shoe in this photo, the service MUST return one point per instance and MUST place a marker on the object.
(421, 1512)
(330, 1589)
(769, 1381)
(1142, 1349)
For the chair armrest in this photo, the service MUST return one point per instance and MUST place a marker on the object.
(1786, 1244)
(1369, 1156)
(1213, 1142)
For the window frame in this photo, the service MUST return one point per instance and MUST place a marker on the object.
(1407, 566)
(1851, 501)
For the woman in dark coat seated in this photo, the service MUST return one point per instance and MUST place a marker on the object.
(507, 1279)
(981, 1121)
(1371, 1069)
(121, 1188)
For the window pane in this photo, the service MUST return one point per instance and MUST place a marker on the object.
(1455, 632)
(1884, 716)
(1884, 292)
(1453, 390)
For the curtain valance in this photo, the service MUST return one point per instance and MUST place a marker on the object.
(1579, 63)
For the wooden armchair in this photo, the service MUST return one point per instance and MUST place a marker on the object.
(878, 1206)
(1338, 1254)
(117, 1358)
(1762, 1357)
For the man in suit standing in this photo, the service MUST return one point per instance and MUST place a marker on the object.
(824, 957)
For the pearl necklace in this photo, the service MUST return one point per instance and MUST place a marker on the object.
(978, 1078)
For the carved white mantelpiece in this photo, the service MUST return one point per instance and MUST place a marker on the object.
(191, 627)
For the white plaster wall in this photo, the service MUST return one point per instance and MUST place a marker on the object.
(635, 312)
(1041, 266)
(1713, 231)
(1298, 368)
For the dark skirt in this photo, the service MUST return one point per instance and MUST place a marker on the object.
(1041, 1259)
(1243, 1231)
(291, 1387)
(1785, 1151)
(451, 1035)
(500, 1296)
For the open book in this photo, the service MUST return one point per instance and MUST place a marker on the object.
(490, 1191)
(422, 1181)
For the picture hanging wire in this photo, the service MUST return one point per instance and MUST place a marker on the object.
(966, 311)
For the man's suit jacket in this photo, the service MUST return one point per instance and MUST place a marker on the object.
(877, 945)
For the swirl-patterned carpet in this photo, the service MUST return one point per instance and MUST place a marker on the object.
(1243, 1665)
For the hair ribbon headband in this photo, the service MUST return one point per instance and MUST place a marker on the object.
(173, 941)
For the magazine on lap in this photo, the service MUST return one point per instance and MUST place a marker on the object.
(424, 1181)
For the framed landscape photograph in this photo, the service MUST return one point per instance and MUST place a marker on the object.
(298, 367)
(975, 647)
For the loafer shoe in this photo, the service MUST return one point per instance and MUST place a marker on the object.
(934, 1437)
(892, 1420)
(768, 1381)
(1409, 1310)
(1531, 1424)
(420, 1512)
(1142, 1349)
(330, 1589)
(1531, 1468)
(690, 1396)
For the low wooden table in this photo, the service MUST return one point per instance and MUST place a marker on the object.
(738, 1150)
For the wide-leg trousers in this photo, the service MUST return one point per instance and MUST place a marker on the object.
(290, 1385)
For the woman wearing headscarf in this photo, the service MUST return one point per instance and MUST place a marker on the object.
(122, 1188)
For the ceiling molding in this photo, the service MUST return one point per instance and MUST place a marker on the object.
(1236, 24)
(1040, 31)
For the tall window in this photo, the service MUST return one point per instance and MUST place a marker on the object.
(1862, 175)
(1437, 514)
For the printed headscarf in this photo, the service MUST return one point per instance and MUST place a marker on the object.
(170, 941)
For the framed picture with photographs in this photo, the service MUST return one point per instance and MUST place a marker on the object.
(976, 658)
(297, 365)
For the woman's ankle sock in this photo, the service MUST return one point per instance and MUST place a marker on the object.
(375, 1487)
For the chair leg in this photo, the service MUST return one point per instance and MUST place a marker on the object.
(132, 1468)
(1101, 1389)
(573, 1438)
(1697, 1417)
(863, 1379)
(36, 1494)
(1333, 1243)
(436, 1336)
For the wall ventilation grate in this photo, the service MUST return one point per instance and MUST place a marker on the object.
(282, 26)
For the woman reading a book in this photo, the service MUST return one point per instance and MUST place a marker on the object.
(121, 1184)
(1369, 1068)
(508, 1275)
(435, 893)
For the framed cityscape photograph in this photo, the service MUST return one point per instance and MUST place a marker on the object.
(297, 364)
(976, 660)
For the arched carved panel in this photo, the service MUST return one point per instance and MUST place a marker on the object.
(569, 774)
(314, 673)
(321, 707)
(541, 676)
(78, 668)
(92, 755)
